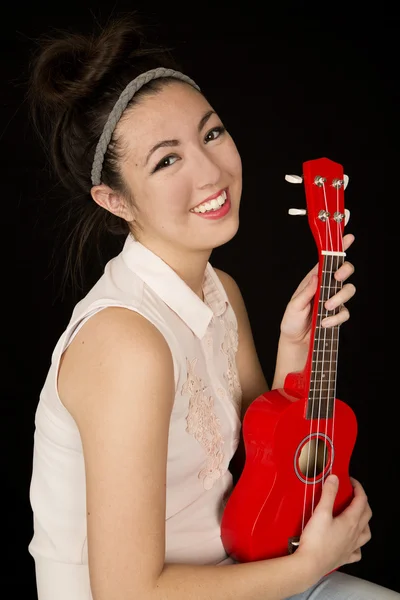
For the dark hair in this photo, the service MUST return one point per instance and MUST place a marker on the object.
(74, 83)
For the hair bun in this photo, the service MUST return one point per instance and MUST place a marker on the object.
(69, 66)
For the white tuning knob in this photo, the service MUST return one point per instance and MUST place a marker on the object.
(346, 216)
(297, 211)
(294, 178)
(346, 181)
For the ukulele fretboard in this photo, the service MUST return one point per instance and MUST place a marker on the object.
(325, 349)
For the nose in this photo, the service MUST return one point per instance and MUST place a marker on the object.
(207, 171)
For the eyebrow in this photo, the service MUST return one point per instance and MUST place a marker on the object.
(170, 143)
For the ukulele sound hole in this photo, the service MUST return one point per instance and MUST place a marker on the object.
(313, 457)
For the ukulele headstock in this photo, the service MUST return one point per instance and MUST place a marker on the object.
(324, 184)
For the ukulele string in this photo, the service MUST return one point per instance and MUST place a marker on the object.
(338, 285)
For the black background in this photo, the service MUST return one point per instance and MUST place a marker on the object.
(292, 82)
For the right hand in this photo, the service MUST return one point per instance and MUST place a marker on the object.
(330, 542)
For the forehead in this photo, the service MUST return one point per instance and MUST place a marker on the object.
(166, 114)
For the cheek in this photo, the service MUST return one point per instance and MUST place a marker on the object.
(233, 161)
(168, 197)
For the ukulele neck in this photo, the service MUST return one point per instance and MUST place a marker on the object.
(324, 344)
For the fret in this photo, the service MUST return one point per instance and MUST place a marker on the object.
(329, 331)
(323, 367)
(327, 348)
(320, 402)
(324, 383)
(324, 375)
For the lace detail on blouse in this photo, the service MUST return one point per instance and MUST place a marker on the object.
(229, 347)
(204, 425)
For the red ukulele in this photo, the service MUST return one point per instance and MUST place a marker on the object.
(296, 436)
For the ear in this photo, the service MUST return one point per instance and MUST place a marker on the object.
(112, 201)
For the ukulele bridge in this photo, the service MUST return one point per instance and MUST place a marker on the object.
(293, 544)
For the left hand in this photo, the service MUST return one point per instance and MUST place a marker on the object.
(296, 321)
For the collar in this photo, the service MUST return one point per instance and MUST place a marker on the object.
(172, 290)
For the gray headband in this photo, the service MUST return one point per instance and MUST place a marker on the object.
(119, 108)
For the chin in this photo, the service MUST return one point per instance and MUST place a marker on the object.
(222, 235)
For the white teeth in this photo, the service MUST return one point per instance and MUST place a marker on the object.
(211, 205)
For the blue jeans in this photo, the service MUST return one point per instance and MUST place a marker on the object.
(341, 586)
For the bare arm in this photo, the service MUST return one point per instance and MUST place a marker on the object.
(117, 380)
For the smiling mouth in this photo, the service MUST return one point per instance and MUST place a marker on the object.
(211, 205)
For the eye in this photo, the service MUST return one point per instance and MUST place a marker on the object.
(213, 134)
(167, 161)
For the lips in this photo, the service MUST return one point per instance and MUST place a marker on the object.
(212, 197)
(214, 209)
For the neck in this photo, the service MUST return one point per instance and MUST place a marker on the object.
(189, 265)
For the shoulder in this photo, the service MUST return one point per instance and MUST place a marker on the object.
(232, 291)
(113, 341)
(118, 328)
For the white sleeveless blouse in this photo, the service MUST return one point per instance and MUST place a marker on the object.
(204, 426)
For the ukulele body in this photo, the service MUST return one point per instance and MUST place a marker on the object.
(277, 490)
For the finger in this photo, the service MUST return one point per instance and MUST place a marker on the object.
(329, 491)
(306, 281)
(356, 485)
(343, 295)
(348, 239)
(358, 509)
(355, 556)
(358, 489)
(344, 271)
(303, 297)
(365, 519)
(339, 299)
(359, 492)
(365, 537)
(338, 319)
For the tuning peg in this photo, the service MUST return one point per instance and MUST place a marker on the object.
(297, 211)
(346, 181)
(294, 178)
(346, 215)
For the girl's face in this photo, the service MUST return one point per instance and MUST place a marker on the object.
(183, 170)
